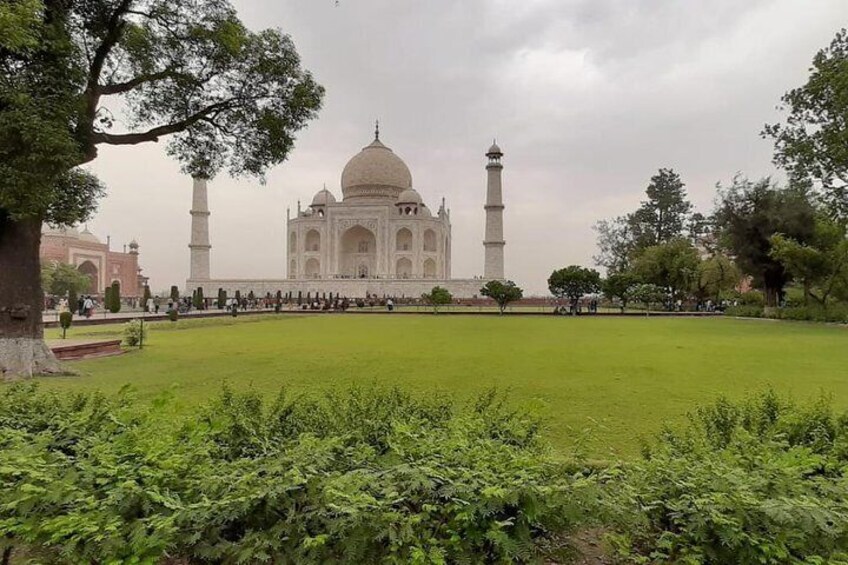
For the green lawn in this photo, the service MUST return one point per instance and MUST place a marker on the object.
(621, 376)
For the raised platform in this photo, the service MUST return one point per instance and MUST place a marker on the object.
(351, 288)
(71, 350)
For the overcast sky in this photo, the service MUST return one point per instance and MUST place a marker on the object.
(587, 98)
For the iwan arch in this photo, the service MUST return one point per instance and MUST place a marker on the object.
(380, 239)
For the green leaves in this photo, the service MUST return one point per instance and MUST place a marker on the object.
(574, 282)
(759, 481)
(362, 476)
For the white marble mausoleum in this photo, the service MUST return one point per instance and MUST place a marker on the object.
(380, 238)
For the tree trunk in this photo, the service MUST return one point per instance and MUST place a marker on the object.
(23, 352)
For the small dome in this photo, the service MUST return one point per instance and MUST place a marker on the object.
(494, 150)
(133, 244)
(375, 172)
(88, 236)
(409, 196)
(323, 197)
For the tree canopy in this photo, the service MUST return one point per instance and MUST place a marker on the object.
(574, 282)
(502, 292)
(749, 213)
(228, 97)
(672, 266)
(812, 143)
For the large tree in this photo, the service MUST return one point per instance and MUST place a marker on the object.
(748, 215)
(813, 142)
(821, 264)
(664, 216)
(227, 97)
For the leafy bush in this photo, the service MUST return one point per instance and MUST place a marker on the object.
(745, 311)
(360, 477)
(134, 333)
(65, 321)
(814, 313)
(758, 482)
(173, 314)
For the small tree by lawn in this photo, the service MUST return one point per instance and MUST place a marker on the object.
(617, 287)
(502, 292)
(648, 294)
(222, 298)
(175, 293)
(65, 321)
(114, 302)
(574, 282)
(439, 296)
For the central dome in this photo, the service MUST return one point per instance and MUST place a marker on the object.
(375, 173)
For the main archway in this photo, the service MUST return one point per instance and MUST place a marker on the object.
(358, 253)
(90, 270)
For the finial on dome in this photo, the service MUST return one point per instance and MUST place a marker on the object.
(377, 130)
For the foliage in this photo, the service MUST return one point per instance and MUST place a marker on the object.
(198, 300)
(365, 476)
(615, 244)
(673, 266)
(716, 275)
(756, 482)
(114, 301)
(145, 297)
(663, 217)
(174, 68)
(439, 296)
(745, 311)
(65, 321)
(821, 264)
(574, 282)
(173, 314)
(648, 294)
(749, 214)
(61, 279)
(222, 298)
(502, 292)
(811, 144)
(175, 293)
(617, 286)
(135, 333)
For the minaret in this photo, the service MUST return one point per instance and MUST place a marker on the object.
(494, 242)
(199, 232)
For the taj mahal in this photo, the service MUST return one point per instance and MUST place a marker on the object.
(379, 239)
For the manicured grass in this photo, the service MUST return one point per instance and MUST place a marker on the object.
(622, 377)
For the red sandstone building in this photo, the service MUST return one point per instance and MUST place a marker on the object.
(95, 259)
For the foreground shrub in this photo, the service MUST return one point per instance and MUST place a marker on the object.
(745, 311)
(134, 333)
(359, 477)
(760, 482)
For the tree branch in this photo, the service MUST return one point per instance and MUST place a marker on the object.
(155, 133)
(92, 95)
(122, 87)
